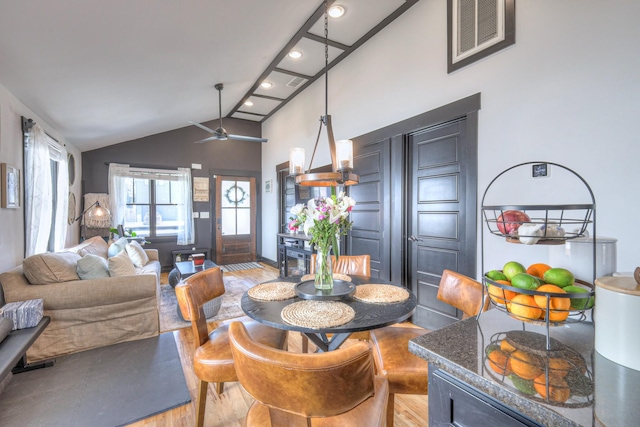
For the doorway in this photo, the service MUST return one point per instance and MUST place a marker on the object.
(235, 219)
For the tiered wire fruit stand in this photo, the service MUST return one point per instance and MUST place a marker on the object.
(547, 224)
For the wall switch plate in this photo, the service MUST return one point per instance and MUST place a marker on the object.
(196, 166)
(196, 215)
(540, 170)
(204, 214)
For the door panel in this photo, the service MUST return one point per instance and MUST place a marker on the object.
(235, 220)
(371, 215)
(443, 216)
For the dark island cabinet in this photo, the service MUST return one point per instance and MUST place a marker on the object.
(454, 403)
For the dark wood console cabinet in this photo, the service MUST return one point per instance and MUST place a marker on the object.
(294, 254)
(454, 403)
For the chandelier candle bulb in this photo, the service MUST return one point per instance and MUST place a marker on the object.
(344, 154)
(296, 161)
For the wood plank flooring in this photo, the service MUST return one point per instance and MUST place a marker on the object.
(230, 408)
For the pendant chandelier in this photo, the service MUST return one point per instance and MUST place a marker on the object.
(341, 151)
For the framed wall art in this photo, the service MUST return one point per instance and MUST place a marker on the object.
(10, 186)
(200, 189)
(268, 184)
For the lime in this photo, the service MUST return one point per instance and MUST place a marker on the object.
(525, 281)
(579, 303)
(496, 275)
(525, 386)
(559, 277)
(512, 268)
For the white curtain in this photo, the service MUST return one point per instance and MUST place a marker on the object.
(59, 155)
(185, 208)
(38, 192)
(118, 192)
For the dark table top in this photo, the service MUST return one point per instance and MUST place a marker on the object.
(460, 349)
(368, 316)
(186, 268)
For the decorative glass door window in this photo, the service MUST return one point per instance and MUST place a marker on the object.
(236, 208)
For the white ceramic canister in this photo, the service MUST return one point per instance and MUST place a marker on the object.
(616, 319)
(576, 255)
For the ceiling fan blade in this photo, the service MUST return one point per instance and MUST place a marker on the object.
(203, 127)
(211, 138)
(246, 138)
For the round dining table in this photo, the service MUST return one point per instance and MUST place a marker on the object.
(367, 315)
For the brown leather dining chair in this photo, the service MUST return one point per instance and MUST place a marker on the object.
(336, 388)
(357, 265)
(212, 360)
(406, 372)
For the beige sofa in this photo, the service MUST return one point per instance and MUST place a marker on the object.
(90, 313)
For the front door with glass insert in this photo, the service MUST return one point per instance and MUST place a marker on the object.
(235, 220)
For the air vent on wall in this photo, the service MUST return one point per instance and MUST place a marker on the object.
(295, 82)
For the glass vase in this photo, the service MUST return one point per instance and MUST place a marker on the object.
(323, 269)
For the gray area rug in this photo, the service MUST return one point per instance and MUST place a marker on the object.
(229, 309)
(242, 266)
(108, 386)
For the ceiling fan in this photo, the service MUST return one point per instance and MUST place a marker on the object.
(221, 134)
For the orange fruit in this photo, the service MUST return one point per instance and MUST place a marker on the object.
(524, 307)
(499, 362)
(555, 315)
(559, 367)
(506, 347)
(525, 365)
(554, 303)
(538, 269)
(558, 388)
(499, 295)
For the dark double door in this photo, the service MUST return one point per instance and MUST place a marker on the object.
(416, 211)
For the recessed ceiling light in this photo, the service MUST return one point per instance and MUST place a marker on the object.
(248, 103)
(266, 85)
(336, 11)
(295, 54)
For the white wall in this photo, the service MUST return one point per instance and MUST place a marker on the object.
(12, 220)
(566, 92)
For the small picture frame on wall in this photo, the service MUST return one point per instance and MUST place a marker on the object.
(268, 186)
(10, 186)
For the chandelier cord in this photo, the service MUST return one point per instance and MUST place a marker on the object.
(326, 58)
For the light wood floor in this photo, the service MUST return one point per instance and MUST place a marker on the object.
(230, 408)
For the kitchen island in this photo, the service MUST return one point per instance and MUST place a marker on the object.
(469, 387)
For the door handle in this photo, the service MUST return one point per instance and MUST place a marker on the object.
(414, 239)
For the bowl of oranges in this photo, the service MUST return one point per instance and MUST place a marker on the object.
(539, 293)
(559, 376)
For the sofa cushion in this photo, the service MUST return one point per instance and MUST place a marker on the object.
(92, 267)
(51, 267)
(121, 265)
(137, 254)
(95, 245)
(117, 247)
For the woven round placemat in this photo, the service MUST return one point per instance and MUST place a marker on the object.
(336, 276)
(380, 294)
(274, 291)
(317, 314)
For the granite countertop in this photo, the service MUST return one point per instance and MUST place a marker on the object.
(602, 392)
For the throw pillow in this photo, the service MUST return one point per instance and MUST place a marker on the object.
(137, 254)
(92, 267)
(121, 265)
(117, 247)
(51, 267)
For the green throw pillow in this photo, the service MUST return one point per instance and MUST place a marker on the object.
(118, 246)
(92, 267)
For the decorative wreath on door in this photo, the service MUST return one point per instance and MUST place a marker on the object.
(238, 194)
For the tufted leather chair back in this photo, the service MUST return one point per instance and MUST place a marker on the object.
(462, 292)
(306, 385)
(358, 265)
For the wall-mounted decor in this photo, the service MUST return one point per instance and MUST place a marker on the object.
(268, 184)
(200, 189)
(477, 29)
(71, 162)
(71, 210)
(10, 186)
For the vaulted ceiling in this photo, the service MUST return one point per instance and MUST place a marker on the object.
(103, 72)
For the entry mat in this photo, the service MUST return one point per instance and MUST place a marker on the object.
(242, 266)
